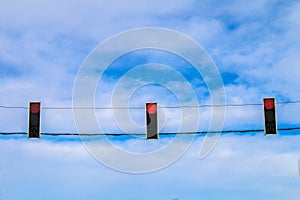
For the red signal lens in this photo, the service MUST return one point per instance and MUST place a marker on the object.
(269, 104)
(34, 107)
(151, 108)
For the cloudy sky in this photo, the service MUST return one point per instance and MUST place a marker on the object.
(254, 45)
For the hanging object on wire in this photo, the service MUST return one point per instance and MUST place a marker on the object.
(34, 120)
(151, 120)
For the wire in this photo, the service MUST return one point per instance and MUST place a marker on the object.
(89, 108)
(14, 107)
(13, 133)
(209, 106)
(142, 134)
(288, 102)
(167, 107)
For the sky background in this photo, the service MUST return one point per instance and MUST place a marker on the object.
(255, 46)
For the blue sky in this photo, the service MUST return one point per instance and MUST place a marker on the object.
(255, 46)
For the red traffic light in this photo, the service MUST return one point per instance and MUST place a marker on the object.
(35, 107)
(151, 120)
(151, 108)
(34, 120)
(269, 103)
(270, 116)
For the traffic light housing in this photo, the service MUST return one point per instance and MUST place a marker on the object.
(151, 120)
(270, 116)
(34, 120)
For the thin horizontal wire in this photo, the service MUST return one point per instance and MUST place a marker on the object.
(167, 107)
(14, 107)
(90, 108)
(141, 134)
(91, 134)
(208, 106)
(231, 131)
(287, 102)
(13, 133)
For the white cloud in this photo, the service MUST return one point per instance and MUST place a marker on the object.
(238, 163)
(43, 43)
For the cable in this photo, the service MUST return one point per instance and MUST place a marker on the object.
(167, 107)
(13, 133)
(288, 102)
(14, 107)
(209, 106)
(90, 108)
(142, 134)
